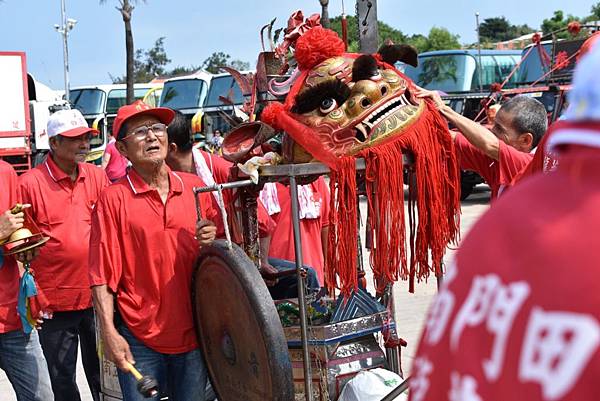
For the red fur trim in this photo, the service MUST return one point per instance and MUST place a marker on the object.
(269, 114)
(317, 45)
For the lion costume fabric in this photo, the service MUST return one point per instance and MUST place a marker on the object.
(344, 106)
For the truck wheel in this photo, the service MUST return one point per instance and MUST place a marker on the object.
(466, 189)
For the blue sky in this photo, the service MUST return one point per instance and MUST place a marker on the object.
(196, 28)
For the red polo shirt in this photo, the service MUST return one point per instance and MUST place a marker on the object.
(62, 209)
(145, 252)
(9, 272)
(282, 242)
(497, 173)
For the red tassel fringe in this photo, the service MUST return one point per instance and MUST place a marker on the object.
(342, 252)
(433, 220)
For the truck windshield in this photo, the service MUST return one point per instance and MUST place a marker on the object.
(531, 68)
(224, 86)
(117, 98)
(88, 101)
(453, 73)
(183, 94)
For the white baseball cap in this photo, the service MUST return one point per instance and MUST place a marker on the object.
(68, 123)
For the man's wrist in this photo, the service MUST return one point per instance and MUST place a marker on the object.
(447, 111)
(108, 329)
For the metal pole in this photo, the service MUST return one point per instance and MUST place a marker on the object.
(479, 53)
(65, 32)
(397, 391)
(368, 29)
(301, 297)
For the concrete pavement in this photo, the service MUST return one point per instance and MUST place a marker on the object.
(410, 308)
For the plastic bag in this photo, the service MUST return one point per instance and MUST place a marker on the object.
(371, 385)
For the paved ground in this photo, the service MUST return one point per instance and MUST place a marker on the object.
(410, 308)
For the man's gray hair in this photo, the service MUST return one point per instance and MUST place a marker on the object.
(528, 115)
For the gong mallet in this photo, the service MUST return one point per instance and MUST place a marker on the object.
(146, 385)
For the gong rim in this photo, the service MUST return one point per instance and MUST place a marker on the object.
(238, 328)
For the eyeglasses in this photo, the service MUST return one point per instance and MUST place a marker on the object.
(140, 133)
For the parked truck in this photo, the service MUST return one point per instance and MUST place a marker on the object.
(99, 105)
(25, 105)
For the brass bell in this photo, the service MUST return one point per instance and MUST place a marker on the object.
(25, 238)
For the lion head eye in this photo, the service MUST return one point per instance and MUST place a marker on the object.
(328, 105)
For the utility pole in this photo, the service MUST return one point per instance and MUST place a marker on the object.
(366, 18)
(66, 25)
(480, 66)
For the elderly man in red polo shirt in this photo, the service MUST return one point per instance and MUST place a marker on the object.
(62, 192)
(500, 154)
(143, 248)
(21, 356)
(527, 326)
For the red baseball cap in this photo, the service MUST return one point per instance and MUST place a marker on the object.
(138, 108)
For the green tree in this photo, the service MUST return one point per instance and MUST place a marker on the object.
(126, 9)
(441, 39)
(148, 64)
(179, 70)
(595, 12)
(420, 42)
(499, 29)
(385, 32)
(495, 29)
(557, 22)
(438, 38)
(156, 58)
(219, 59)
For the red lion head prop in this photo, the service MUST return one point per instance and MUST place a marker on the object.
(345, 105)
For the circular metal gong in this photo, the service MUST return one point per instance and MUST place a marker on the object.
(239, 329)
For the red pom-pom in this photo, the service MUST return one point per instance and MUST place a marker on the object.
(496, 87)
(317, 45)
(536, 38)
(574, 27)
(269, 114)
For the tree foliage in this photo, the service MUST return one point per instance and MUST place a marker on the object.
(148, 64)
(557, 22)
(499, 29)
(595, 16)
(438, 38)
(152, 63)
(219, 59)
(385, 32)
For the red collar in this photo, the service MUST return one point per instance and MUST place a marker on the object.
(57, 174)
(139, 186)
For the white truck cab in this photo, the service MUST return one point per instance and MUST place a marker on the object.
(99, 105)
